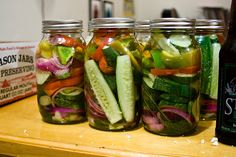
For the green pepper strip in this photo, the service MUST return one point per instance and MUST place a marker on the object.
(117, 45)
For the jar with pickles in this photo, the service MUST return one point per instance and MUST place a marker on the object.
(171, 63)
(113, 75)
(60, 72)
(210, 36)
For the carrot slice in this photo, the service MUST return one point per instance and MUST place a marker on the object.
(53, 86)
(189, 70)
(77, 72)
(162, 72)
(98, 53)
(104, 67)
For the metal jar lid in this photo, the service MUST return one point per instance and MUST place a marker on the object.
(112, 23)
(142, 25)
(209, 25)
(64, 25)
(172, 23)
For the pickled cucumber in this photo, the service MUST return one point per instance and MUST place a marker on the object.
(102, 92)
(125, 87)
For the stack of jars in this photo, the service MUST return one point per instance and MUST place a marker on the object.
(149, 70)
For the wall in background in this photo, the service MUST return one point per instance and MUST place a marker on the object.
(21, 19)
(186, 8)
(67, 9)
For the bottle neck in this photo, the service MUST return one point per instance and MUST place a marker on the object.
(232, 23)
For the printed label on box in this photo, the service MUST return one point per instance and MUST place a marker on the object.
(17, 71)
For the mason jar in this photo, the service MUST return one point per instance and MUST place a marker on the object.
(171, 63)
(60, 72)
(210, 36)
(113, 75)
(142, 32)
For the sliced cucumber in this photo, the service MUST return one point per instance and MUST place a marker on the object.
(215, 70)
(70, 97)
(71, 93)
(111, 81)
(125, 87)
(206, 69)
(174, 98)
(148, 81)
(110, 55)
(170, 86)
(181, 40)
(45, 100)
(42, 76)
(184, 78)
(165, 44)
(102, 92)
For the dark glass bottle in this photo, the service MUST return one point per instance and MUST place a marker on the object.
(226, 111)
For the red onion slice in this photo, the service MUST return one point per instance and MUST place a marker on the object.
(179, 112)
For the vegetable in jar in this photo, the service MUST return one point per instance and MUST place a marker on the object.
(209, 35)
(60, 72)
(171, 63)
(113, 75)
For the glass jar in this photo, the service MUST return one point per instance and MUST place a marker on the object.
(210, 36)
(113, 75)
(171, 64)
(60, 68)
(142, 32)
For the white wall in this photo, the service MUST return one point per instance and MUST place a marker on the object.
(75, 9)
(151, 9)
(22, 19)
(67, 9)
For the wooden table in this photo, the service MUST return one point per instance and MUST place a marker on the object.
(23, 133)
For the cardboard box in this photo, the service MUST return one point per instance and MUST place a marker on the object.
(17, 70)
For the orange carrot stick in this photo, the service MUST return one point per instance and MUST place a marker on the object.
(162, 72)
(104, 67)
(53, 86)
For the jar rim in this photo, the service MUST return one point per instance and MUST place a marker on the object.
(172, 23)
(142, 25)
(53, 25)
(209, 24)
(112, 22)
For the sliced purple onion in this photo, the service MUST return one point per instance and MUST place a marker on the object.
(57, 39)
(53, 65)
(152, 120)
(65, 111)
(179, 112)
(93, 108)
(210, 108)
(57, 63)
(46, 65)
